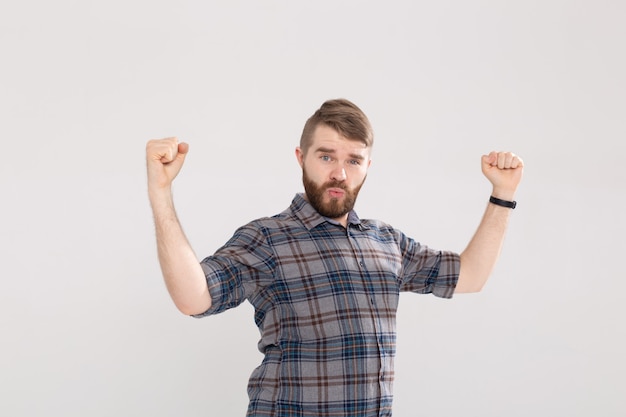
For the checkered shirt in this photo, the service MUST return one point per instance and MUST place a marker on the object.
(325, 300)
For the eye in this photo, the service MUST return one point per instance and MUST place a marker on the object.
(325, 158)
(355, 162)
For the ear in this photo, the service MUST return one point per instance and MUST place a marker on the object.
(300, 156)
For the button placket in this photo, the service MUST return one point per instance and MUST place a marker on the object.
(375, 319)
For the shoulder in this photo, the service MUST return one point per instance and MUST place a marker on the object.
(382, 230)
(278, 221)
(272, 229)
(376, 224)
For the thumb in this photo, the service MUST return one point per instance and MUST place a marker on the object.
(181, 153)
(489, 160)
(183, 148)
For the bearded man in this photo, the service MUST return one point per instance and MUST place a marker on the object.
(323, 282)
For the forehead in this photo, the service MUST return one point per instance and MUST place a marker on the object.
(325, 137)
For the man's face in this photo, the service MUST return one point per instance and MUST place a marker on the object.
(333, 171)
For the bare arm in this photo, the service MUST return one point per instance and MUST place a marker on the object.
(504, 171)
(184, 278)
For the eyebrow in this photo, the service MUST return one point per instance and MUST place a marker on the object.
(322, 149)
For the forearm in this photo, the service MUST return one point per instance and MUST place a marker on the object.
(183, 275)
(480, 256)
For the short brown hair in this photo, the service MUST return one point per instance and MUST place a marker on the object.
(343, 116)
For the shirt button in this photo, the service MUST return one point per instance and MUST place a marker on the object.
(361, 264)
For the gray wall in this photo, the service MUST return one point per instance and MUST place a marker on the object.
(87, 326)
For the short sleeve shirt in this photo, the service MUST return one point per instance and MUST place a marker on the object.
(325, 299)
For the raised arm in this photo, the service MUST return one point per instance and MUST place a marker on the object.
(504, 171)
(183, 275)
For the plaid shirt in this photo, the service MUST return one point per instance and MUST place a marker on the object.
(325, 300)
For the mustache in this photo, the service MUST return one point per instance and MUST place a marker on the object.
(335, 184)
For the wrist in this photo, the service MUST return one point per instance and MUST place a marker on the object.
(510, 204)
(503, 194)
(159, 193)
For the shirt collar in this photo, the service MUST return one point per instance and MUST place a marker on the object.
(305, 212)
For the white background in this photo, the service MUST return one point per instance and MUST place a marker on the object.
(87, 328)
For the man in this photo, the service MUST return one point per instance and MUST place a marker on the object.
(324, 283)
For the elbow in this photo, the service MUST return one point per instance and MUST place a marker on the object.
(190, 299)
(193, 308)
(191, 311)
(470, 281)
(472, 276)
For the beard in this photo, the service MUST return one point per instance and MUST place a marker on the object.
(335, 208)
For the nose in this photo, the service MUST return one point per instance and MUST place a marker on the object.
(338, 174)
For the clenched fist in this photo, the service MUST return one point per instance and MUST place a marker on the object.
(164, 159)
(504, 171)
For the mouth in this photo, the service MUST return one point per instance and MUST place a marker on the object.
(335, 192)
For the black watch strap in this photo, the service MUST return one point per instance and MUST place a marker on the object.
(503, 203)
